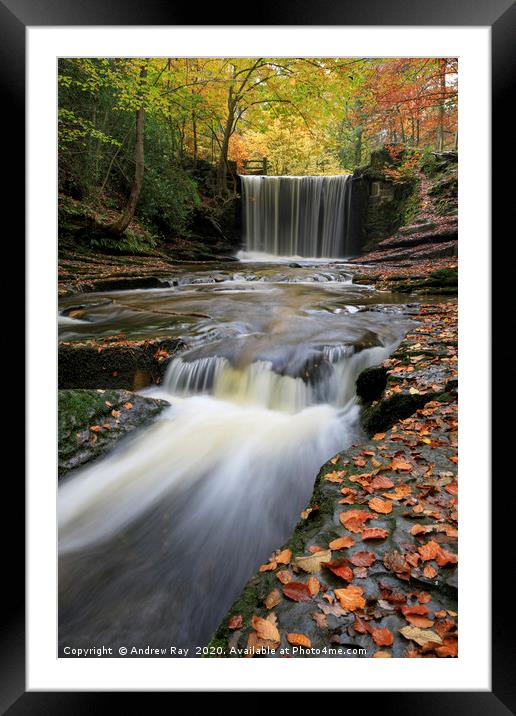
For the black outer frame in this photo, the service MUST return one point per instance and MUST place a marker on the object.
(500, 15)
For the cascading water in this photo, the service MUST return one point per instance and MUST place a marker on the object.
(162, 534)
(291, 216)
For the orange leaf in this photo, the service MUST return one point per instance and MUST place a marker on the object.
(382, 506)
(444, 557)
(430, 550)
(382, 637)
(353, 520)
(299, 640)
(414, 609)
(284, 576)
(351, 598)
(342, 543)
(313, 586)
(421, 622)
(341, 569)
(265, 629)
(284, 557)
(381, 482)
(375, 533)
(400, 465)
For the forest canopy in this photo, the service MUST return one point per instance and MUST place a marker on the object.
(136, 131)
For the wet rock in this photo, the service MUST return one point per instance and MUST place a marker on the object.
(371, 383)
(90, 422)
(127, 284)
(115, 363)
(382, 415)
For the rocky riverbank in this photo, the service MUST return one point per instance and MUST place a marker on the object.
(371, 568)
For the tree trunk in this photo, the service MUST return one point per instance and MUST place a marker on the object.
(442, 89)
(358, 146)
(222, 168)
(118, 227)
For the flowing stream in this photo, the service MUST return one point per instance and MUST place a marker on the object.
(157, 538)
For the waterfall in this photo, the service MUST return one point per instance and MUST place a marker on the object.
(296, 216)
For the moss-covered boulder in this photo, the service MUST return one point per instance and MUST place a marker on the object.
(92, 421)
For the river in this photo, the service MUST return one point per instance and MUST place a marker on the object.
(157, 539)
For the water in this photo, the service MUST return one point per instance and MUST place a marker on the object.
(157, 539)
(296, 216)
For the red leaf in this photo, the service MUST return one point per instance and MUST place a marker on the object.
(297, 591)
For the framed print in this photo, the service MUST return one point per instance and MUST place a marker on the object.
(268, 252)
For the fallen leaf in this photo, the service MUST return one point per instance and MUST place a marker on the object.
(272, 599)
(444, 557)
(421, 622)
(382, 636)
(235, 622)
(128, 406)
(429, 572)
(378, 436)
(430, 550)
(341, 569)
(382, 655)
(420, 636)
(400, 491)
(268, 567)
(313, 563)
(297, 591)
(380, 482)
(284, 576)
(265, 629)
(362, 559)
(374, 533)
(400, 465)
(313, 586)
(353, 520)
(414, 609)
(342, 543)
(334, 476)
(382, 506)
(95, 428)
(299, 640)
(284, 557)
(351, 598)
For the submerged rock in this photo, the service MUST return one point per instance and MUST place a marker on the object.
(90, 422)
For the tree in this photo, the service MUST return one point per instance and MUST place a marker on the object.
(121, 224)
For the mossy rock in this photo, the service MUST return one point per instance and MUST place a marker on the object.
(126, 364)
(92, 421)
